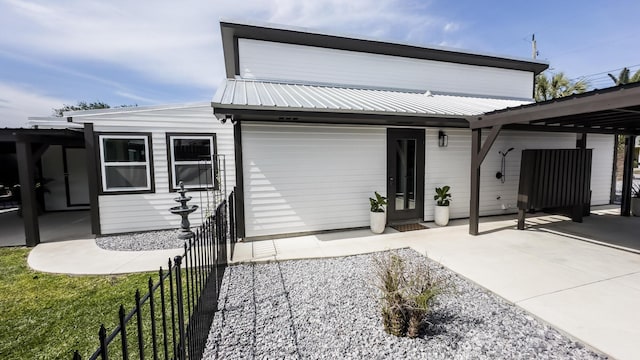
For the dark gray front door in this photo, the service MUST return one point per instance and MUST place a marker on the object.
(405, 174)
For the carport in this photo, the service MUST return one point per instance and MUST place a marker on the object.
(614, 110)
(30, 145)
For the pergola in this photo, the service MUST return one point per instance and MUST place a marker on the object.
(614, 110)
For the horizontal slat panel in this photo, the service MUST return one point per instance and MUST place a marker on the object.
(277, 61)
(310, 178)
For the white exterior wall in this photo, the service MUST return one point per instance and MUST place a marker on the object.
(601, 167)
(139, 212)
(310, 178)
(303, 178)
(451, 166)
(277, 61)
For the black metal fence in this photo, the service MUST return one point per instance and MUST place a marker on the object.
(173, 319)
(233, 235)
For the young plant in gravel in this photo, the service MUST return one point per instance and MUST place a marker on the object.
(407, 292)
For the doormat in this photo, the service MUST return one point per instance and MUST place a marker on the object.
(409, 227)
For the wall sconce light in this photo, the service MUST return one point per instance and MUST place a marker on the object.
(443, 139)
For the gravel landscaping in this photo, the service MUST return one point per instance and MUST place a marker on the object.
(148, 240)
(330, 308)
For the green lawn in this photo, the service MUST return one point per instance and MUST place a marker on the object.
(47, 316)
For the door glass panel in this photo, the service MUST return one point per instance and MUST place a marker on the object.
(405, 174)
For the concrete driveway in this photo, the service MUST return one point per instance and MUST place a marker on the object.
(589, 291)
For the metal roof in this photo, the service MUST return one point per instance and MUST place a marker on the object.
(238, 94)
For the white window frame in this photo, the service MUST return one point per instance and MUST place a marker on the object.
(104, 164)
(173, 163)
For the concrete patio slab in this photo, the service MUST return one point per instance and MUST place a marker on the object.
(601, 313)
(54, 226)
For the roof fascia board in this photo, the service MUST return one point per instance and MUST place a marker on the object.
(343, 118)
(45, 136)
(232, 31)
(235, 109)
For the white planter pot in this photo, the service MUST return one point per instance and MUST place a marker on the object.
(635, 206)
(442, 215)
(377, 220)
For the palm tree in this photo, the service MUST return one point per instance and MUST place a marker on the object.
(557, 86)
(623, 77)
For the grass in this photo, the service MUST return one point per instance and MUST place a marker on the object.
(48, 316)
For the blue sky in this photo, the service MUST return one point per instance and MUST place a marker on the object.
(158, 52)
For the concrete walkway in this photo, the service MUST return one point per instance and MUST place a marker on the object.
(84, 257)
(586, 290)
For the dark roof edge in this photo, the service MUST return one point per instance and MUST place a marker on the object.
(587, 94)
(232, 30)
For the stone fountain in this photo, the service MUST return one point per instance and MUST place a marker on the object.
(184, 210)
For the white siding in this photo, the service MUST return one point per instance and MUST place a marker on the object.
(310, 178)
(601, 167)
(139, 212)
(451, 166)
(277, 61)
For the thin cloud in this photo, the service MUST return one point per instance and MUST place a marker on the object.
(136, 97)
(175, 43)
(451, 27)
(18, 103)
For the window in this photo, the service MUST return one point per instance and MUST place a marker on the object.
(125, 163)
(192, 161)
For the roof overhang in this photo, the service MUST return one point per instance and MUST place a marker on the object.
(233, 30)
(43, 136)
(284, 116)
(288, 102)
(614, 110)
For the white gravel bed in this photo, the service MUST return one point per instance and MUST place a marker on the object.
(148, 240)
(330, 309)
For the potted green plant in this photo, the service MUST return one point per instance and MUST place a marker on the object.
(443, 198)
(635, 200)
(377, 216)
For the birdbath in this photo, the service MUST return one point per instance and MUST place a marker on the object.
(184, 210)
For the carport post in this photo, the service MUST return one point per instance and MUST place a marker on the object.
(479, 151)
(474, 206)
(627, 176)
(29, 205)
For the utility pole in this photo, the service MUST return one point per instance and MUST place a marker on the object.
(534, 47)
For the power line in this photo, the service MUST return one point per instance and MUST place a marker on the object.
(601, 79)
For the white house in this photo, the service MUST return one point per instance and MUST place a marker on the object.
(324, 120)
(139, 155)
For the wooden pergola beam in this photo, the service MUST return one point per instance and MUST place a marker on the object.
(588, 103)
(566, 129)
